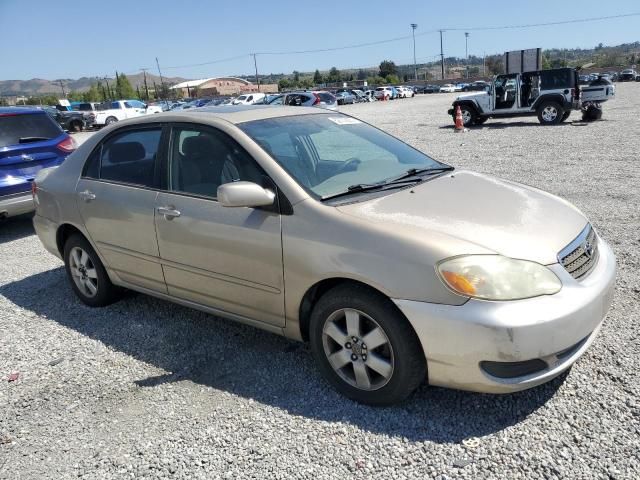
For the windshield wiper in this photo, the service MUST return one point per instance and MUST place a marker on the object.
(412, 172)
(32, 139)
(367, 187)
(411, 176)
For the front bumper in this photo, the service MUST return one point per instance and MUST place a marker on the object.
(17, 204)
(556, 329)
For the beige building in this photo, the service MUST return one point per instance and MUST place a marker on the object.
(222, 86)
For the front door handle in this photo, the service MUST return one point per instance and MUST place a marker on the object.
(169, 212)
(87, 195)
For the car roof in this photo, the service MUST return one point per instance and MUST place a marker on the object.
(19, 110)
(233, 113)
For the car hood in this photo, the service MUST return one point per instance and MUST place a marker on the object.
(497, 215)
(470, 96)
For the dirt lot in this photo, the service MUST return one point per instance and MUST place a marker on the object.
(147, 389)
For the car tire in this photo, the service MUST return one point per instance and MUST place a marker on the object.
(550, 113)
(469, 116)
(384, 372)
(110, 120)
(87, 275)
(76, 126)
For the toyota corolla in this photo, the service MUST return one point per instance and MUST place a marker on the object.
(396, 268)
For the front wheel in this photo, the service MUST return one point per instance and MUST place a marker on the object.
(468, 116)
(110, 120)
(550, 113)
(364, 347)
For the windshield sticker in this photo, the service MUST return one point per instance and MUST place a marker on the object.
(344, 120)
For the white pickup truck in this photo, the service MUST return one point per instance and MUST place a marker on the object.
(122, 109)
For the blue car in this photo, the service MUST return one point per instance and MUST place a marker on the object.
(30, 140)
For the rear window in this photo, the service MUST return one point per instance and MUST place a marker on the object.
(25, 128)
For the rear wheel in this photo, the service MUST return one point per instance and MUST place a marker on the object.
(88, 276)
(110, 120)
(550, 113)
(364, 347)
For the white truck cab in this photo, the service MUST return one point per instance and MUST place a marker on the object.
(121, 110)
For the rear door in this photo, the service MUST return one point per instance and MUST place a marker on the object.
(116, 197)
(224, 258)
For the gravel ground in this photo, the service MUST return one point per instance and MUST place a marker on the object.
(148, 389)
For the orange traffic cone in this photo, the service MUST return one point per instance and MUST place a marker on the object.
(459, 122)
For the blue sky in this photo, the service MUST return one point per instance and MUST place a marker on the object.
(68, 39)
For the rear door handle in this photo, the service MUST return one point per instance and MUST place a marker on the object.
(87, 195)
(169, 212)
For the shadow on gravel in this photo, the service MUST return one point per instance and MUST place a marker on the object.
(16, 228)
(191, 346)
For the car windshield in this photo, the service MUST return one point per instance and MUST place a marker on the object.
(16, 129)
(328, 153)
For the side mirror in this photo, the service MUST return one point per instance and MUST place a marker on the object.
(244, 194)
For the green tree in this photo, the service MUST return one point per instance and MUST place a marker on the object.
(334, 75)
(307, 83)
(362, 74)
(123, 87)
(296, 77)
(317, 77)
(284, 84)
(392, 79)
(377, 80)
(387, 67)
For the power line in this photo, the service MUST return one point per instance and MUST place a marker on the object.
(546, 24)
(406, 37)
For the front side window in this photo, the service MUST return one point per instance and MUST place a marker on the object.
(115, 105)
(129, 157)
(203, 159)
(328, 153)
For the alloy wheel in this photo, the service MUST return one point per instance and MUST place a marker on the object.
(550, 113)
(83, 272)
(358, 349)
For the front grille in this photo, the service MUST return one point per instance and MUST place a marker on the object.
(581, 255)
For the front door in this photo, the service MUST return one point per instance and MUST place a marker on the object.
(116, 197)
(224, 258)
(505, 90)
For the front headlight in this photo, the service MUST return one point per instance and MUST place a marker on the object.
(494, 277)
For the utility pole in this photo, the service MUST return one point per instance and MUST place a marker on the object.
(441, 55)
(161, 80)
(146, 89)
(466, 50)
(415, 68)
(255, 64)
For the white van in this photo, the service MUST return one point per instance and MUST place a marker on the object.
(249, 99)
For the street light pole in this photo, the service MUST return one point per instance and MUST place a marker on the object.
(415, 68)
(466, 50)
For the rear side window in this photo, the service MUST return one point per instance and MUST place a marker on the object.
(129, 157)
(26, 128)
(556, 79)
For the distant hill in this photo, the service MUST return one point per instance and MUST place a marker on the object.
(39, 86)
